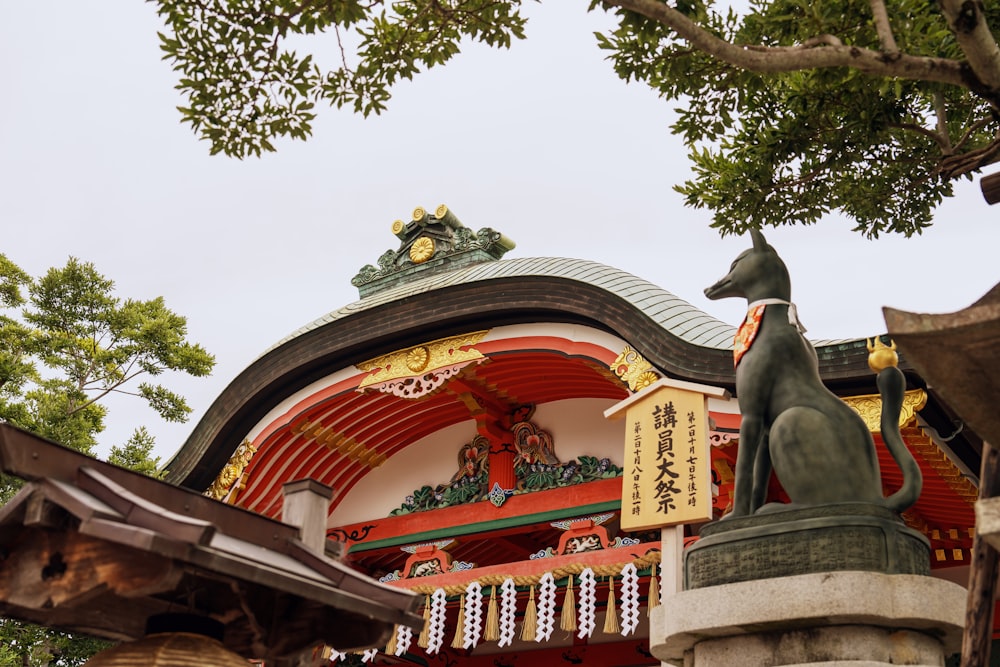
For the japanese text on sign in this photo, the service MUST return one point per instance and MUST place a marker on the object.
(668, 472)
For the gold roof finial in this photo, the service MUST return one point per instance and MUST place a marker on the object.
(881, 355)
(399, 228)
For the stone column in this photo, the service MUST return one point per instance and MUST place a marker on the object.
(306, 504)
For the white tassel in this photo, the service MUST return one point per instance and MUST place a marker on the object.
(588, 604)
(546, 607)
(473, 615)
(630, 599)
(508, 612)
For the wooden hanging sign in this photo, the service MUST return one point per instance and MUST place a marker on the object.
(667, 472)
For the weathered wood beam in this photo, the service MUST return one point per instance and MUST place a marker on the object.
(991, 188)
(45, 569)
(983, 571)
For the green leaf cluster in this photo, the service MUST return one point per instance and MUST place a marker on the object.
(790, 147)
(67, 342)
(766, 149)
(26, 645)
(245, 88)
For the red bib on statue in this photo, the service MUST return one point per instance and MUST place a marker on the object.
(747, 332)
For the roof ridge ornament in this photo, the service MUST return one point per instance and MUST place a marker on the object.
(430, 243)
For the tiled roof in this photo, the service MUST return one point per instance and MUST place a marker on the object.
(672, 313)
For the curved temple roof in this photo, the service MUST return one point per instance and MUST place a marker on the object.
(464, 287)
(672, 313)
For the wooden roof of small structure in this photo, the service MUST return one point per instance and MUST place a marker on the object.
(94, 548)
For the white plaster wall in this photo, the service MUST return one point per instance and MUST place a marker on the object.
(577, 426)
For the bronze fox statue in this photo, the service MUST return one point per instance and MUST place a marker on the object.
(819, 448)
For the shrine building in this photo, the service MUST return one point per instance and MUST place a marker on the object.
(455, 417)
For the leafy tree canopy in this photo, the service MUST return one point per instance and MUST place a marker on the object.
(67, 342)
(790, 109)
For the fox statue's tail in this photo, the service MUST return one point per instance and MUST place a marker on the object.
(892, 386)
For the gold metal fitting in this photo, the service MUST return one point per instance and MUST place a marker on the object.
(880, 355)
(399, 228)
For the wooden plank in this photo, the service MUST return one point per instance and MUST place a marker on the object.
(991, 188)
(46, 569)
(983, 575)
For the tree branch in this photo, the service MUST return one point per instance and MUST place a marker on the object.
(959, 165)
(941, 112)
(973, 128)
(883, 28)
(772, 60)
(966, 20)
(942, 140)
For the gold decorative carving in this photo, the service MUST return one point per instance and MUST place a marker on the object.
(417, 358)
(334, 441)
(232, 472)
(398, 227)
(632, 369)
(419, 361)
(869, 407)
(422, 250)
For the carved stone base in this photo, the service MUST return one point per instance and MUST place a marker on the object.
(849, 536)
(845, 619)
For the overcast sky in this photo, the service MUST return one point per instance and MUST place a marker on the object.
(543, 143)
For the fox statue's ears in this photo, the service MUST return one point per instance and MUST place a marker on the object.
(759, 244)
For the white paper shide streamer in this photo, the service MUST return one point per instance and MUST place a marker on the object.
(630, 599)
(404, 637)
(508, 611)
(369, 655)
(588, 599)
(336, 656)
(473, 615)
(546, 607)
(435, 624)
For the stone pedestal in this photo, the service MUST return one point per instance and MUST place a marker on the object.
(847, 619)
(788, 542)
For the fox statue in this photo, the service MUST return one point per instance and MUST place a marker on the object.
(819, 448)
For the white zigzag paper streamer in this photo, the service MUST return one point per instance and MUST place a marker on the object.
(435, 635)
(404, 637)
(508, 611)
(630, 599)
(473, 615)
(369, 655)
(588, 598)
(336, 656)
(546, 607)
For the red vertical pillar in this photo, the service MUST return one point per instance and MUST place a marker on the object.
(502, 464)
